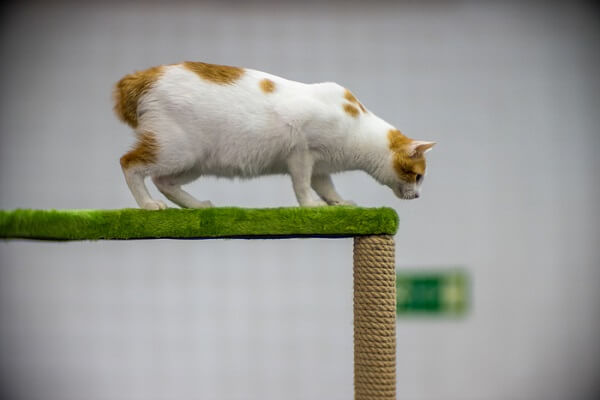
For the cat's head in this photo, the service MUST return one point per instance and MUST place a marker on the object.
(408, 164)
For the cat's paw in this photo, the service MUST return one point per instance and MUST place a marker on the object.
(154, 205)
(314, 203)
(203, 204)
(341, 203)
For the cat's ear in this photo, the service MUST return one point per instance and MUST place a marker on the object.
(420, 147)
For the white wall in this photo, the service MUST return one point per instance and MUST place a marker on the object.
(510, 92)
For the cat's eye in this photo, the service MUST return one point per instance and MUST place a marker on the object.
(419, 178)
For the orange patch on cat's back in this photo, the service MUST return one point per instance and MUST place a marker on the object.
(220, 74)
(351, 110)
(352, 99)
(144, 152)
(267, 85)
(130, 89)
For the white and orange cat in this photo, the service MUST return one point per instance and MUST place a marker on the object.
(195, 119)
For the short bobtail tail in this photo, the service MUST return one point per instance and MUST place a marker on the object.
(130, 89)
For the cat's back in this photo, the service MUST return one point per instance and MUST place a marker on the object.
(200, 91)
(218, 88)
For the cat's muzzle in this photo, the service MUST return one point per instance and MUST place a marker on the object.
(406, 194)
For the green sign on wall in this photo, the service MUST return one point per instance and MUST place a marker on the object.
(432, 292)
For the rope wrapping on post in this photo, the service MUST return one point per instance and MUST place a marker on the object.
(374, 318)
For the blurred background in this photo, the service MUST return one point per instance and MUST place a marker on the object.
(511, 93)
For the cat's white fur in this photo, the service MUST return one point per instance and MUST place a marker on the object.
(237, 130)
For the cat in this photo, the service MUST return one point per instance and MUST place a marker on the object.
(196, 119)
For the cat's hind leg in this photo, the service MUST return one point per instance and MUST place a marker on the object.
(136, 165)
(170, 186)
(323, 185)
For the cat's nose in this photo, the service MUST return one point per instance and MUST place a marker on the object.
(417, 195)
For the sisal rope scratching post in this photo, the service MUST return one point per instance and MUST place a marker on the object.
(374, 270)
(374, 318)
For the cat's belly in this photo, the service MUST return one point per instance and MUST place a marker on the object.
(240, 168)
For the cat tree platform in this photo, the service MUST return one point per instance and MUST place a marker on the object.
(374, 269)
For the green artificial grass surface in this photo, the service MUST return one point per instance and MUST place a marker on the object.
(226, 222)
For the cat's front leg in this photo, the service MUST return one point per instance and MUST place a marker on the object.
(300, 164)
(323, 185)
